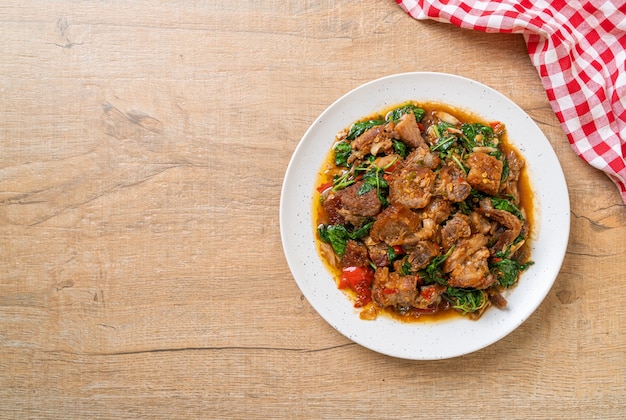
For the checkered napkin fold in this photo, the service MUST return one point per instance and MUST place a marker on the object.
(578, 48)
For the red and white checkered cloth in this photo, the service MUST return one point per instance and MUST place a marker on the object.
(579, 50)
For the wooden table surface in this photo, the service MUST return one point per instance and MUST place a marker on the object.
(142, 151)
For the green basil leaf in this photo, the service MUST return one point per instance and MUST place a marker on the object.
(467, 300)
(361, 127)
(361, 232)
(397, 113)
(507, 271)
(433, 272)
(343, 150)
(472, 130)
(506, 205)
(337, 235)
(400, 148)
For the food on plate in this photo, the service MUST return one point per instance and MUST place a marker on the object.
(424, 209)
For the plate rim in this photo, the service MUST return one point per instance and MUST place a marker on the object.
(385, 322)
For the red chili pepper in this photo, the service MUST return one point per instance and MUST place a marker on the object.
(427, 292)
(324, 186)
(392, 167)
(353, 276)
(344, 283)
(360, 280)
(496, 126)
(398, 249)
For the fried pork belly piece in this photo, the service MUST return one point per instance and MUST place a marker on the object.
(453, 185)
(467, 264)
(485, 172)
(396, 225)
(511, 226)
(409, 132)
(412, 186)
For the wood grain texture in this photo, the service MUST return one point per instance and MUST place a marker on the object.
(142, 151)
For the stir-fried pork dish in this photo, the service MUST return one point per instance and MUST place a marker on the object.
(423, 210)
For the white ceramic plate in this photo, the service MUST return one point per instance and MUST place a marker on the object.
(431, 340)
